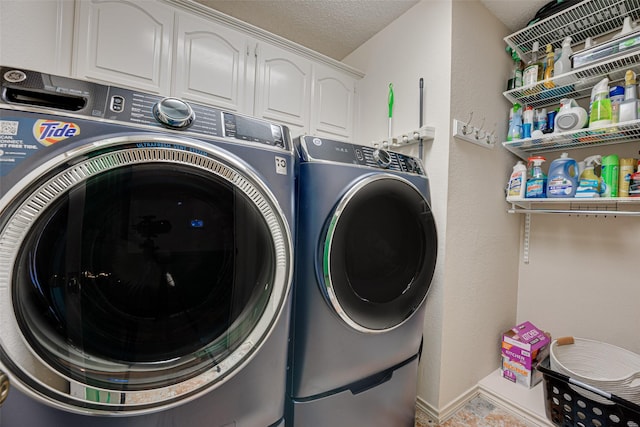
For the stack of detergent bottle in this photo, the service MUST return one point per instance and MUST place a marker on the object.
(595, 176)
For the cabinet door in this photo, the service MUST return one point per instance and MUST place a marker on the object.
(333, 103)
(126, 43)
(210, 63)
(283, 88)
(37, 35)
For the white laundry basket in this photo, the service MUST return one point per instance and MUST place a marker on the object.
(599, 364)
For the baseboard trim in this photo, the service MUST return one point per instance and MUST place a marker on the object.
(427, 408)
(530, 417)
(440, 416)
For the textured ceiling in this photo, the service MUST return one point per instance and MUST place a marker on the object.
(515, 14)
(336, 28)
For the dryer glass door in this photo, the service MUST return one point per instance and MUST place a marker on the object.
(138, 280)
(379, 253)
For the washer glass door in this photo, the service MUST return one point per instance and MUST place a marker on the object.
(140, 277)
(379, 253)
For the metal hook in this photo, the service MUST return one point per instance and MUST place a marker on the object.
(465, 128)
(478, 130)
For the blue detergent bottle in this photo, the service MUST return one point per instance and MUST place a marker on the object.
(536, 180)
(562, 179)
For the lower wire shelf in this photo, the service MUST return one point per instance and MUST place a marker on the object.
(603, 206)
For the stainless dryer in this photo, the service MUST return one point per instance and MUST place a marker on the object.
(365, 257)
(145, 259)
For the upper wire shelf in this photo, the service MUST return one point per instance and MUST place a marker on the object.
(575, 84)
(590, 18)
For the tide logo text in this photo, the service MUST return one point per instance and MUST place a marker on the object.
(48, 132)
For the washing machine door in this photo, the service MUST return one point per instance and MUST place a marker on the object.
(379, 253)
(136, 274)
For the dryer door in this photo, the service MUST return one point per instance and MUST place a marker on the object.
(379, 253)
(137, 274)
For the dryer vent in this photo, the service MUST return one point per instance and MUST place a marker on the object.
(44, 99)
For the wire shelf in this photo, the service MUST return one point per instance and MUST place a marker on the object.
(599, 206)
(590, 18)
(576, 84)
(614, 134)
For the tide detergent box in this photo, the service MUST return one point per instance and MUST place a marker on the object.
(523, 347)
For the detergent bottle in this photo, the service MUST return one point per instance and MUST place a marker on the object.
(589, 184)
(517, 181)
(634, 185)
(610, 173)
(562, 179)
(537, 180)
(515, 122)
(627, 168)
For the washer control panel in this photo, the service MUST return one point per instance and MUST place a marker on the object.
(250, 129)
(81, 98)
(322, 149)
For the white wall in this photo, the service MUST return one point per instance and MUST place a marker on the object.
(581, 278)
(457, 47)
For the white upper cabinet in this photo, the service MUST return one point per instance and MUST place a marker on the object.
(125, 43)
(333, 103)
(37, 35)
(283, 88)
(178, 48)
(210, 63)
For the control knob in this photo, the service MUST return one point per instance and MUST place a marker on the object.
(174, 113)
(382, 158)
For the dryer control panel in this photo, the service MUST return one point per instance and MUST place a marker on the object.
(322, 149)
(72, 97)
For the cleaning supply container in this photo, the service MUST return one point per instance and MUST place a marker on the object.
(562, 179)
(634, 184)
(515, 123)
(600, 109)
(610, 175)
(627, 168)
(630, 105)
(616, 95)
(517, 181)
(536, 180)
(571, 116)
(589, 185)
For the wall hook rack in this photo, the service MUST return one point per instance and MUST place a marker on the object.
(476, 135)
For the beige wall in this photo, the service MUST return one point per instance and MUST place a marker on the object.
(581, 278)
(456, 46)
(410, 48)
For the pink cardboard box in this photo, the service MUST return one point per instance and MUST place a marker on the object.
(522, 348)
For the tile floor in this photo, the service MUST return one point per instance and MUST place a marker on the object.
(477, 413)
